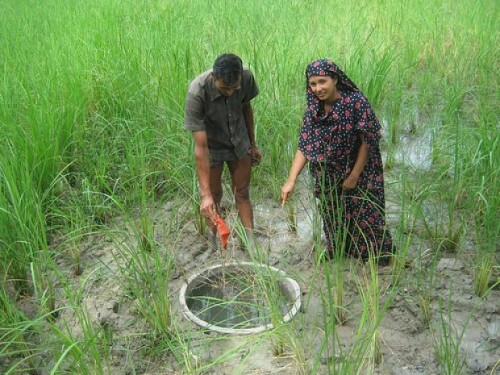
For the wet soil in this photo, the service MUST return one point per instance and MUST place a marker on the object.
(408, 345)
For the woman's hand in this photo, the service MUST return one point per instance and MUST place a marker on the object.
(299, 161)
(350, 182)
(286, 191)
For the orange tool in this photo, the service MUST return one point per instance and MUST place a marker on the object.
(223, 231)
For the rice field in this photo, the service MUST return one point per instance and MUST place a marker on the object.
(99, 221)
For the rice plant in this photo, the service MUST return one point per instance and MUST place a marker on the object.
(145, 274)
(92, 145)
(448, 338)
(370, 293)
(425, 282)
(486, 229)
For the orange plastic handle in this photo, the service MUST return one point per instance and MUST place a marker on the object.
(223, 231)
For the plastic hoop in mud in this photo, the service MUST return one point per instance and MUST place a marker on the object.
(202, 296)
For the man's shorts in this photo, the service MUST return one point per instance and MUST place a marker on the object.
(218, 163)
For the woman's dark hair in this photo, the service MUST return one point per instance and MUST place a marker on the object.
(228, 67)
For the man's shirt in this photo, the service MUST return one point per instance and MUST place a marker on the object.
(220, 116)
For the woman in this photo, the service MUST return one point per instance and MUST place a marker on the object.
(340, 138)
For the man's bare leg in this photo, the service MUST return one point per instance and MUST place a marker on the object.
(216, 190)
(241, 171)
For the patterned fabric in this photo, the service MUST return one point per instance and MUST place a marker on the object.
(353, 220)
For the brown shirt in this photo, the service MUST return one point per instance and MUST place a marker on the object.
(220, 116)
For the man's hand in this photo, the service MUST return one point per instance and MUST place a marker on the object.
(255, 154)
(208, 209)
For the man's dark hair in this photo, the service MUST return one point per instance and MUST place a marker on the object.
(228, 67)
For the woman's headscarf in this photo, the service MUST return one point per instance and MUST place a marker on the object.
(317, 127)
(324, 67)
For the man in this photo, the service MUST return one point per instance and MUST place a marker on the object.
(220, 116)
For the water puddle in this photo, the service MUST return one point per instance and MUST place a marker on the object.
(240, 298)
(292, 222)
(415, 151)
(233, 302)
(414, 147)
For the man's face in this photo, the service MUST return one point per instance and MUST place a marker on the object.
(224, 88)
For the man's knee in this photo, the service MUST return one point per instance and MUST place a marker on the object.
(242, 194)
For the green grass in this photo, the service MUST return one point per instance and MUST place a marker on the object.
(91, 134)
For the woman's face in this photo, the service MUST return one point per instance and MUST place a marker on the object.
(324, 87)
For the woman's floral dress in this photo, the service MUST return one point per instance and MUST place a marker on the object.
(353, 220)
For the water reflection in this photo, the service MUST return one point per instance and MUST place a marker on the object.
(233, 303)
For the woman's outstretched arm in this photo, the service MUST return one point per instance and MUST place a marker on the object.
(298, 164)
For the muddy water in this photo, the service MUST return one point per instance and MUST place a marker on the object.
(225, 302)
(415, 151)
(276, 222)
